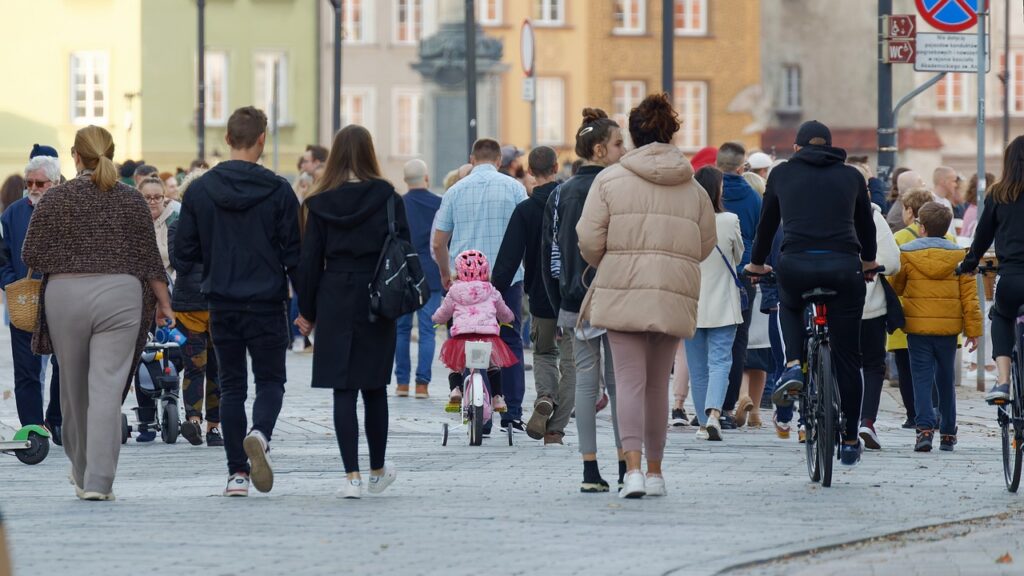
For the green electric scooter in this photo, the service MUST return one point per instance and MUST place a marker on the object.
(30, 444)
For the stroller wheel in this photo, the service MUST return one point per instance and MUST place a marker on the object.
(125, 431)
(171, 423)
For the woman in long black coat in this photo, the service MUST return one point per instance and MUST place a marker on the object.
(345, 225)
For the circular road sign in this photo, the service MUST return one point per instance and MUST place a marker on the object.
(527, 48)
(949, 15)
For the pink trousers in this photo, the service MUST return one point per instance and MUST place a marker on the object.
(643, 365)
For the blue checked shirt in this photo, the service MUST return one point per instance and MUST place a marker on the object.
(476, 211)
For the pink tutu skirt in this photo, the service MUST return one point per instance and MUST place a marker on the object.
(453, 353)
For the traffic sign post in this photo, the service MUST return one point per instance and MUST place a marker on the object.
(527, 56)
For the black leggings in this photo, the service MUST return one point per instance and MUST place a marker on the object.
(872, 347)
(346, 426)
(800, 272)
(906, 382)
(1009, 298)
(456, 379)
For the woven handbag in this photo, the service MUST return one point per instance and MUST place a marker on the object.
(23, 302)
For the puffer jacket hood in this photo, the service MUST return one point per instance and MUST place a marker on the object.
(474, 308)
(352, 205)
(661, 164)
(819, 155)
(936, 302)
(241, 185)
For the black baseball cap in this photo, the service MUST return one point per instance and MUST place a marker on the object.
(813, 133)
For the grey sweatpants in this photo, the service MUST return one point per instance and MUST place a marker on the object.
(94, 324)
(554, 369)
(589, 355)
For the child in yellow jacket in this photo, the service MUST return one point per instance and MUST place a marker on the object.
(939, 306)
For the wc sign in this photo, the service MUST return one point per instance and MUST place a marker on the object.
(899, 44)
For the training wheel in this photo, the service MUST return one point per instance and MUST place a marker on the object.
(444, 434)
(509, 428)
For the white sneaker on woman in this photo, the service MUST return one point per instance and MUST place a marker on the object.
(351, 489)
(633, 485)
(714, 428)
(379, 483)
(656, 485)
(702, 433)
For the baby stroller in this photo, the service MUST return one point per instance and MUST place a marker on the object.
(158, 378)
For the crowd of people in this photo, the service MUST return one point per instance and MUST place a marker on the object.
(634, 279)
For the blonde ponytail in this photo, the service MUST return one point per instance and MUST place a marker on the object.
(95, 146)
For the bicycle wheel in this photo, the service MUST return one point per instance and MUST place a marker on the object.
(826, 414)
(1013, 448)
(808, 399)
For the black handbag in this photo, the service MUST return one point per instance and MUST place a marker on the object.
(398, 287)
(894, 318)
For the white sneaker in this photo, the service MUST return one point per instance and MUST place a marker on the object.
(379, 483)
(656, 485)
(238, 485)
(633, 485)
(714, 429)
(702, 433)
(351, 489)
(97, 496)
(260, 470)
(299, 344)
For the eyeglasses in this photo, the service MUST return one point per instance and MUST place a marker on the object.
(154, 199)
(30, 184)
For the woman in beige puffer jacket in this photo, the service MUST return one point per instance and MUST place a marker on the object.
(646, 227)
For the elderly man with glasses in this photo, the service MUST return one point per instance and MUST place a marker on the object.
(41, 173)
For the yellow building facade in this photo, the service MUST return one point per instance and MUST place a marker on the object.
(607, 54)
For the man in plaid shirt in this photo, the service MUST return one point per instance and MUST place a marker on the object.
(473, 216)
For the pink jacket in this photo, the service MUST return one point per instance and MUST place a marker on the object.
(476, 307)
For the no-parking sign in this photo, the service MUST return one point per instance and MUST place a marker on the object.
(949, 15)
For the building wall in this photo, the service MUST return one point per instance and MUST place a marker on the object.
(37, 46)
(242, 28)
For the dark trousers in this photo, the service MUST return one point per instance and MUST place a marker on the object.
(872, 348)
(739, 351)
(906, 382)
(932, 360)
(265, 337)
(513, 378)
(200, 385)
(800, 272)
(1009, 298)
(28, 387)
(375, 420)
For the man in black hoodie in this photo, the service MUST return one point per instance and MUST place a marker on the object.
(240, 221)
(828, 242)
(552, 354)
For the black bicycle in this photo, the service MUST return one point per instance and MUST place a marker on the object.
(1010, 415)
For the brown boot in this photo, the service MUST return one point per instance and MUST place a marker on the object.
(421, 391)
(553, 438)
(402, 390)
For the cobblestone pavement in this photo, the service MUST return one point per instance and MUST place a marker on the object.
(504, 510)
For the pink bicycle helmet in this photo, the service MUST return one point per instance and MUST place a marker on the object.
(472, 265)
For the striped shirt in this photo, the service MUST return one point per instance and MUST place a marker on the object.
(476, 211)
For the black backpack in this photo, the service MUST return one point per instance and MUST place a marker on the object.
(398, 287)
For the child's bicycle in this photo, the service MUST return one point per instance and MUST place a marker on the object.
(476, 400)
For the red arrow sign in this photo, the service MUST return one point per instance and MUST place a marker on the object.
(898, 51)
(902, 26)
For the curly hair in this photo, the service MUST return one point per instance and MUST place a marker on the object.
(654, 120)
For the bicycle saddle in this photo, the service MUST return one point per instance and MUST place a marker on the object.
(819, 295)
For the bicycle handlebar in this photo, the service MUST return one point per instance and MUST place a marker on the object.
(981, 269)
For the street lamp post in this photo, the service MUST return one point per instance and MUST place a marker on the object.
(201, 81)
(470, 24)
(336, 99)
(667, 46)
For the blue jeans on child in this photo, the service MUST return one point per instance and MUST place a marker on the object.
(427, 334)
(932, 360)
(709, 356)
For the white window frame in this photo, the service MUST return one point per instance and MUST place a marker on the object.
(210, 119)
(638, 28)
(686, 116)
(417, 126)
(545, 6)
(267, 58)
(499, 13)
(1016, 82)
(622, 105)
(410, 24)
(551, 113)
(702, 7)
(965, 100)
(95, 63)
(366, 24)
(790, 100)
(369, 96)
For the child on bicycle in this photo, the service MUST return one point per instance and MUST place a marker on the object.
(938, 306)
(475, 308)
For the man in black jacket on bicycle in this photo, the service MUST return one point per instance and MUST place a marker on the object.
(828, 242)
